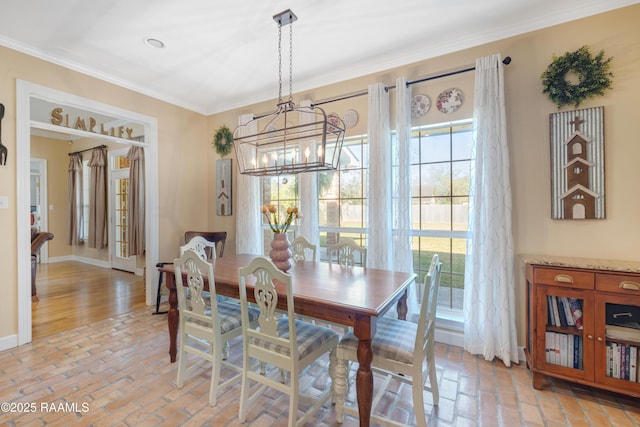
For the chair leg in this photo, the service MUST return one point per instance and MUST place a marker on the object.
(340, 387)
(215, 377)
(182, 363)
(293, 399)
(332, 373)
(244, 389)
(417, 391)
(160, 264)
(433, 379)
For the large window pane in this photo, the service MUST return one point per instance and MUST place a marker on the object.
(440, 174)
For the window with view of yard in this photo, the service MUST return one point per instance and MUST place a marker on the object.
(282, 192)
(342, 196)
(440, 172)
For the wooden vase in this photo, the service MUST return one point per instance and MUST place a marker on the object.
(281, 251)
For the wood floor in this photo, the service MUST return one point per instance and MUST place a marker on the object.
(73, 294)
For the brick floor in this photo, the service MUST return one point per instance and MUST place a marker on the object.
(116, 372)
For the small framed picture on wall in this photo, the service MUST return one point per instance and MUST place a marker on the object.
(223, 187)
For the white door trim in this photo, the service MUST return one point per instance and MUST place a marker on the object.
(25, 91)
(44, 203)
(116, 262)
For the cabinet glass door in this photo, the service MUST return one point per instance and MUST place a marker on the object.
(618, 341)
(565, 332)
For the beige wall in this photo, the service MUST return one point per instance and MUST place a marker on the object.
(55, 152)
(183, 162)
(187, 160)
(618, 33)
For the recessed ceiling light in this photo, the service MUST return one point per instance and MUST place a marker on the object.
(150, 41)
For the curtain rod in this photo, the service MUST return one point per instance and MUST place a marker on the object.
(88, 149)
(505, 61)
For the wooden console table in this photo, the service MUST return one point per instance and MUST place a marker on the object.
(583, 322)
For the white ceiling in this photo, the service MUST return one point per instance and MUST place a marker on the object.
(222, 54)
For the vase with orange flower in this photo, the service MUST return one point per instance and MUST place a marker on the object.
(280, 247)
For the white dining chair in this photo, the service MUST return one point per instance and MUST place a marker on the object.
(285, 343)
(402, 350)
(203, 247)
(347, 252)
(206, 326)
(300, 247)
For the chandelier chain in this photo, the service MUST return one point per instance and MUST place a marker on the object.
(279, 62)
(291, 62)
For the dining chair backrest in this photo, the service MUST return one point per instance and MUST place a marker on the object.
(347, 253)
(425, 335)
(217, 237)
(267, 276)
(203, 247)
(402, 350)
(206, 325)
(193, 269)
(284, 342)
(300, 247)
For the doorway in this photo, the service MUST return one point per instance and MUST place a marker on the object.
(118, 212)
(30, 94)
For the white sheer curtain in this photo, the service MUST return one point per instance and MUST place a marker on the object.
(402, 253)
(489, 285)
(249, 236)
(308, 187)
(380, 246)
(401, 207)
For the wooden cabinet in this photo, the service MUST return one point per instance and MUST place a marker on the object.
(583, 323)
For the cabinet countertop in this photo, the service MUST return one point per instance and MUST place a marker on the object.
(588, 263)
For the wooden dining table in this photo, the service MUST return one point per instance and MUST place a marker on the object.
(350, 296)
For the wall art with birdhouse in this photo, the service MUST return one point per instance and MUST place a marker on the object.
(577, 164)
(223, 187)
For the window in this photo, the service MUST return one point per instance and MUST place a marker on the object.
(440, 176)
(86, 183)
(440, 173)
(282, 192)
(342, 196)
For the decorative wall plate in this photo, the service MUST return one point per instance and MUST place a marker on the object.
(449, 100)
(335, 120)
(420, 105)
(350, 118)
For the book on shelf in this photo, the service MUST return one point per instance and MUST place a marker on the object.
(563, 349)
(633, 360)
(622, 333)
(567, 311)
(575, 306)
(624, 367)
(563, 319)
(554, 308)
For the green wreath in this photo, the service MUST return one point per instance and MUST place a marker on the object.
(593, 73)
(223, 141)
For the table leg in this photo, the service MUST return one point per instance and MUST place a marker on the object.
(402, 307)
(364, 329)
(173, 314)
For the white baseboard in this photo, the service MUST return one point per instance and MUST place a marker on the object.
(90, 261)
(85, 260)
(10, 341)
(450, 337)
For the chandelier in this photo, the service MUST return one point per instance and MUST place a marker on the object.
(292, 139)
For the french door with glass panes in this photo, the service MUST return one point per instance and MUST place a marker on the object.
(118, 206)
